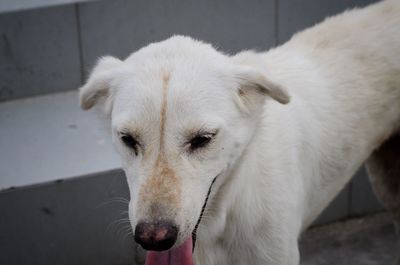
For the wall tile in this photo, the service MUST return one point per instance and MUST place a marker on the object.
(337, 209)
(120, 27)
(70, 222)
(363, 200)
(38, 52)
(19, 5)
(296, 15)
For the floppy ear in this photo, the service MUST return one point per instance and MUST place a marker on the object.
(254, 87)
(97, 88)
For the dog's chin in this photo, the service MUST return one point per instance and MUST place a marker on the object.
(179, 255)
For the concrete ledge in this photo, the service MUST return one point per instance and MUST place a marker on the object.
(18, 5)
(49, 138)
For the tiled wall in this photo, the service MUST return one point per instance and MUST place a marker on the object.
(357, 198)
(51, 49)
(295, 15)
(121, 27)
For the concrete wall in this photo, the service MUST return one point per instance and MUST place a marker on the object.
(39, 52)
(50, 49)
(78, 221)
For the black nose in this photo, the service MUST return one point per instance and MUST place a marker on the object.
(156, 236)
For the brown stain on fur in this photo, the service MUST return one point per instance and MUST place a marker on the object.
(166, 77)
(163, 186)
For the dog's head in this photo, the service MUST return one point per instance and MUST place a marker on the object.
(181, 113)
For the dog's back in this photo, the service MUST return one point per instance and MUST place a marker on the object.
(374, 47)
(359, 52)
(356, 55)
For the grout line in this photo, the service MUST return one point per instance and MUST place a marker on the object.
(276, 26)
(80, 50)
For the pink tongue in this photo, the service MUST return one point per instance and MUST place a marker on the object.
(181, 255)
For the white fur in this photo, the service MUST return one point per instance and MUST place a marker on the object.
(281, 164)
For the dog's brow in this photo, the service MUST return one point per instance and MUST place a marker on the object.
(201, 131)
(124, 129)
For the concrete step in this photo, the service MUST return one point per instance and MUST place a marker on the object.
(18, 5)
(48, 138)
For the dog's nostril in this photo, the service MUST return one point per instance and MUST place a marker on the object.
(156, 236)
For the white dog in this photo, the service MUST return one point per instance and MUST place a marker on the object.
(234, 156)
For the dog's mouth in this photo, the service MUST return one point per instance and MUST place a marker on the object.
(182, 255)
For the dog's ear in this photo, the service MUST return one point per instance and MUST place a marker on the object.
(254, 87)
(98, 86)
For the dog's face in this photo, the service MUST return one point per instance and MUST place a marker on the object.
(181, 114)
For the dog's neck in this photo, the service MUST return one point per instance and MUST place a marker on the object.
(228, 210)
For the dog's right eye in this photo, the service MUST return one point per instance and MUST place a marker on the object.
(201, 140)
(130, 142)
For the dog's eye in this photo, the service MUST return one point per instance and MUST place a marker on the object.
(130, 142)
(200, 141)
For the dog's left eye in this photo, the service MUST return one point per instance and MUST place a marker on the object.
(200, 141)
(130, 142)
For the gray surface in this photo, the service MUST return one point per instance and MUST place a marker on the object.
(363, 241)
(337, 209)
(18, 5)
(363, 200)
(296, 15)
(38, 52)
(41, 48)
(70, 222)
(120, 27)
(49, 137)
